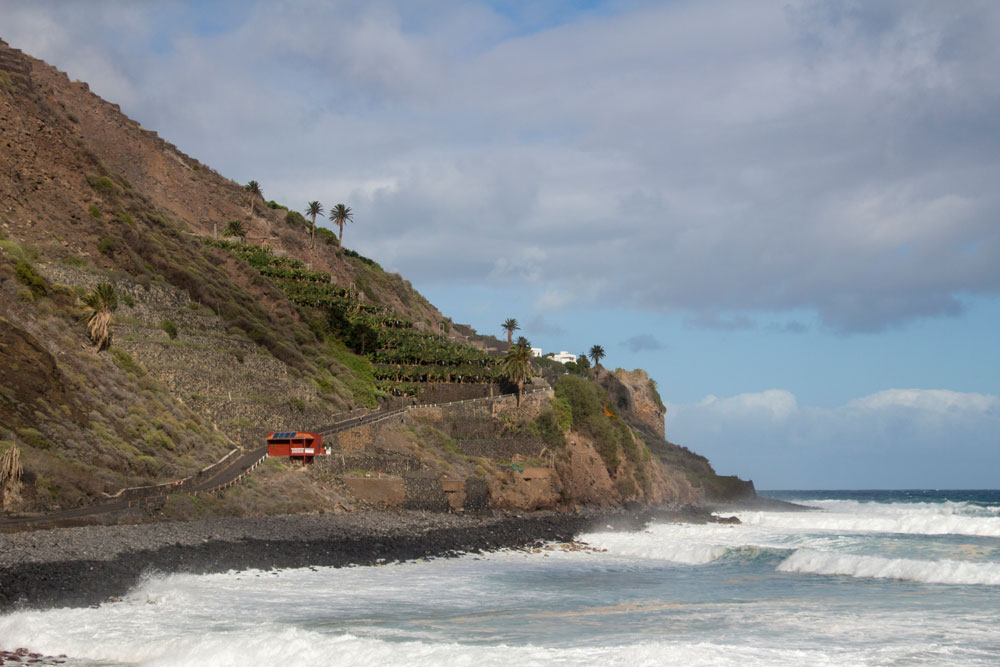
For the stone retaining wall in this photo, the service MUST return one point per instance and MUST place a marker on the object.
(424, 492)
(477, 494)
(339, 463)
(505, 449)
(362, 437)
(384, 492)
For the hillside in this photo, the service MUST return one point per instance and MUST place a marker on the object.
(215, 341)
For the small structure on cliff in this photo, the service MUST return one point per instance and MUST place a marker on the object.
(296, 445)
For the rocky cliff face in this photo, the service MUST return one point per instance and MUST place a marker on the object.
(635, 395)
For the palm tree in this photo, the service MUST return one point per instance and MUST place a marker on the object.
(102, 301)
(313, 209)
(253, 189)
(596, 353)
(510, 326)
(340, 214)
(235, 228)
(516, 365)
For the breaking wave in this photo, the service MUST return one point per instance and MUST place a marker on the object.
(956, 572)
(911, 519)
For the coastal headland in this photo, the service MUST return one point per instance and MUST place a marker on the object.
(158, 320)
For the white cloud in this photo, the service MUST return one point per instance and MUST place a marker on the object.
(774, 404)
(738, 157)
(928, 400)
(898, 438)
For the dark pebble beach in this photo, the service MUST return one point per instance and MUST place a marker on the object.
(90, 565)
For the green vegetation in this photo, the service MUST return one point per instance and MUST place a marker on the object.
(579, 367)
(126, 362)
(5, 80)
(656, 395)
(106, 246)
(74, 261)
(590, 415)
(170, 328)
(95, 211)
(596, 353)
(27, 276)
(399, 356)
(295, 218)
(364, 260)
(103, 185)
(33, 438)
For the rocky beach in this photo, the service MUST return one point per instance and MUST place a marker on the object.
(90, 565)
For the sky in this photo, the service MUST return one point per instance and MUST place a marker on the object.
(786, 212)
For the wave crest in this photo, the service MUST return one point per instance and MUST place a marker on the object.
(955, 572)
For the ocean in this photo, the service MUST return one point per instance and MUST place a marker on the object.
(871, 578)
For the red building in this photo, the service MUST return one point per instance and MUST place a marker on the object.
(296, 445)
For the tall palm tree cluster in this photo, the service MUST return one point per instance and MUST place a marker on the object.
(339, 215)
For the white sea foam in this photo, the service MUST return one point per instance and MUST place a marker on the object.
(663, 543)
(269, 645)
(693, 544)
(947, 507)
(903, 518)
(875, 567)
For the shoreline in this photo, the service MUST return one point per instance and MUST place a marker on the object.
(85, 566)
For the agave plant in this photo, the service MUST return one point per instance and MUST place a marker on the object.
(10, 477)
(235, 228)
(102, 301)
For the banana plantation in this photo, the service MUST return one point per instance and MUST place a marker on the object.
(402, 357)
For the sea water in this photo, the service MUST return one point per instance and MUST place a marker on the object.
(870, 578)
